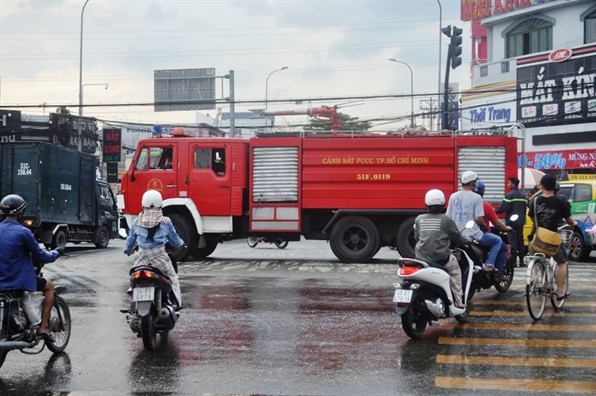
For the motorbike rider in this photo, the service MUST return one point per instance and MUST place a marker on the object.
(515, 203)
(465, 205)
(150, 231)
(18, 249)
(434, 231)
(550, 209)
(490, 216)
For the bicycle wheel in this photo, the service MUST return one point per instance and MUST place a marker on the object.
(536, 289)
(553, 296)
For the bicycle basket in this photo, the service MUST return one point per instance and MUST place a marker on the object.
(566, 236)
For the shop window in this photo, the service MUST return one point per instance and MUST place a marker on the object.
(530, 36)
(505, 67)
(483, 71)
(590, 28)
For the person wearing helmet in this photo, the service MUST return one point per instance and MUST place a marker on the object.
(434, 231)
(465, 205)
(18, 250)
(515, 203)
(150, 231)
(490, 216)
(548, 209)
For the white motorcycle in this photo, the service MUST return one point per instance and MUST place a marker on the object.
(423, 294)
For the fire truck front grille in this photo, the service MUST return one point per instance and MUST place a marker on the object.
(275, 174)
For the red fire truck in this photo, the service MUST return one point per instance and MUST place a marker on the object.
(360, 192)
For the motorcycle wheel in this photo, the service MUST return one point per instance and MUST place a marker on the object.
(507, 277)
(148, 332)
(252, 241)
(2, 357)
(414, 319)
(60, 325)
(281, 244)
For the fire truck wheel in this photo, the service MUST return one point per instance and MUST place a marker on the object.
(206, 251)
(186, 232)
(405, 237)
(355, 239)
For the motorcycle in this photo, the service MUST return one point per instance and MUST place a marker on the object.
(254, 241)
(19, 331)
(151, 311)
(424, 296)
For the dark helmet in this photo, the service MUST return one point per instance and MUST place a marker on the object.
(479, 188)
(13, 205)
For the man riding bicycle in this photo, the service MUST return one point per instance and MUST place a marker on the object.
(550, 209)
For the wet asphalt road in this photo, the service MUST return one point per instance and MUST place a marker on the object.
(296, 322)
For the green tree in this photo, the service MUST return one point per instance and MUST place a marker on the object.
(346, 123)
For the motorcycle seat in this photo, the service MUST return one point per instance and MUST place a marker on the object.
(436, 265)
(15, 293)
(148, 268)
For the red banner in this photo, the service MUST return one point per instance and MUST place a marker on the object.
(560, 159)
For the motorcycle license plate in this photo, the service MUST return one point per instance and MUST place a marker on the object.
(143, 294)
(402, 296)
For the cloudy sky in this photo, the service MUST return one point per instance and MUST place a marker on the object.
(333, 49)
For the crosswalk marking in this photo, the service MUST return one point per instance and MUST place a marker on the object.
(525, 313)
(519, 327)
(523, 302)
(517, 361)
(521, 384)
(518, 342)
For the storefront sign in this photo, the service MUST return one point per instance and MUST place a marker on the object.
(557, 92)
(112, 147)
(559, 159)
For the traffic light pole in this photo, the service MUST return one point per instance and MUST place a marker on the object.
(445, 113)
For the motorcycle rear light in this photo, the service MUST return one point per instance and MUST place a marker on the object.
(143, 274)
(407, 270)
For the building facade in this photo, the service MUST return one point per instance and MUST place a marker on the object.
(534, 64)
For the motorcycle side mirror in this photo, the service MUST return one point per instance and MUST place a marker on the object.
(514, 217)
(470, 224)
(122, 233)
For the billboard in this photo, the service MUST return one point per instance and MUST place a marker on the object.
(557, 88)
(477, 9)
(184, 89)
(112, 145)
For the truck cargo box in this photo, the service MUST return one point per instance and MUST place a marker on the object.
(57, 183)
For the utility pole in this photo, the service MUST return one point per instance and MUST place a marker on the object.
(431, 106)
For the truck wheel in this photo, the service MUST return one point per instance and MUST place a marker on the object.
(59, 240)
(103, 238)
(355, 239)
(406, 242)
(578, 250)
(204, 252)
(187, 233)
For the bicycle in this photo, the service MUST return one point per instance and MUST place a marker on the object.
(541, 280)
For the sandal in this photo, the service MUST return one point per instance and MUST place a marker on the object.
(567, 294)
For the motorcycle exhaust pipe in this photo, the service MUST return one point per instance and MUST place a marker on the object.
(168, 312)
(436, 308)
(12, 345)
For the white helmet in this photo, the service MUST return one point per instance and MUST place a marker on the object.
(152, 199)
(434, 197)
(468, 177)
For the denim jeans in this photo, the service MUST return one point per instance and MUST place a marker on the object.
(493, 242)
(502, 257)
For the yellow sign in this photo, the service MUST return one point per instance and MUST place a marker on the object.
(581, 177)
(394, 160)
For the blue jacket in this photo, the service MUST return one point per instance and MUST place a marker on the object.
(165, 233)
(18, 248)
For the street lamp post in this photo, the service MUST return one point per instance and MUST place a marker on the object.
(102, 84)
(412, 124)
(80, 140)
(267, 83)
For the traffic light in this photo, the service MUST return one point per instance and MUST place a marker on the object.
(455, 47)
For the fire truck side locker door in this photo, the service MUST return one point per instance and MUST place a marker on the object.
(209, 172)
